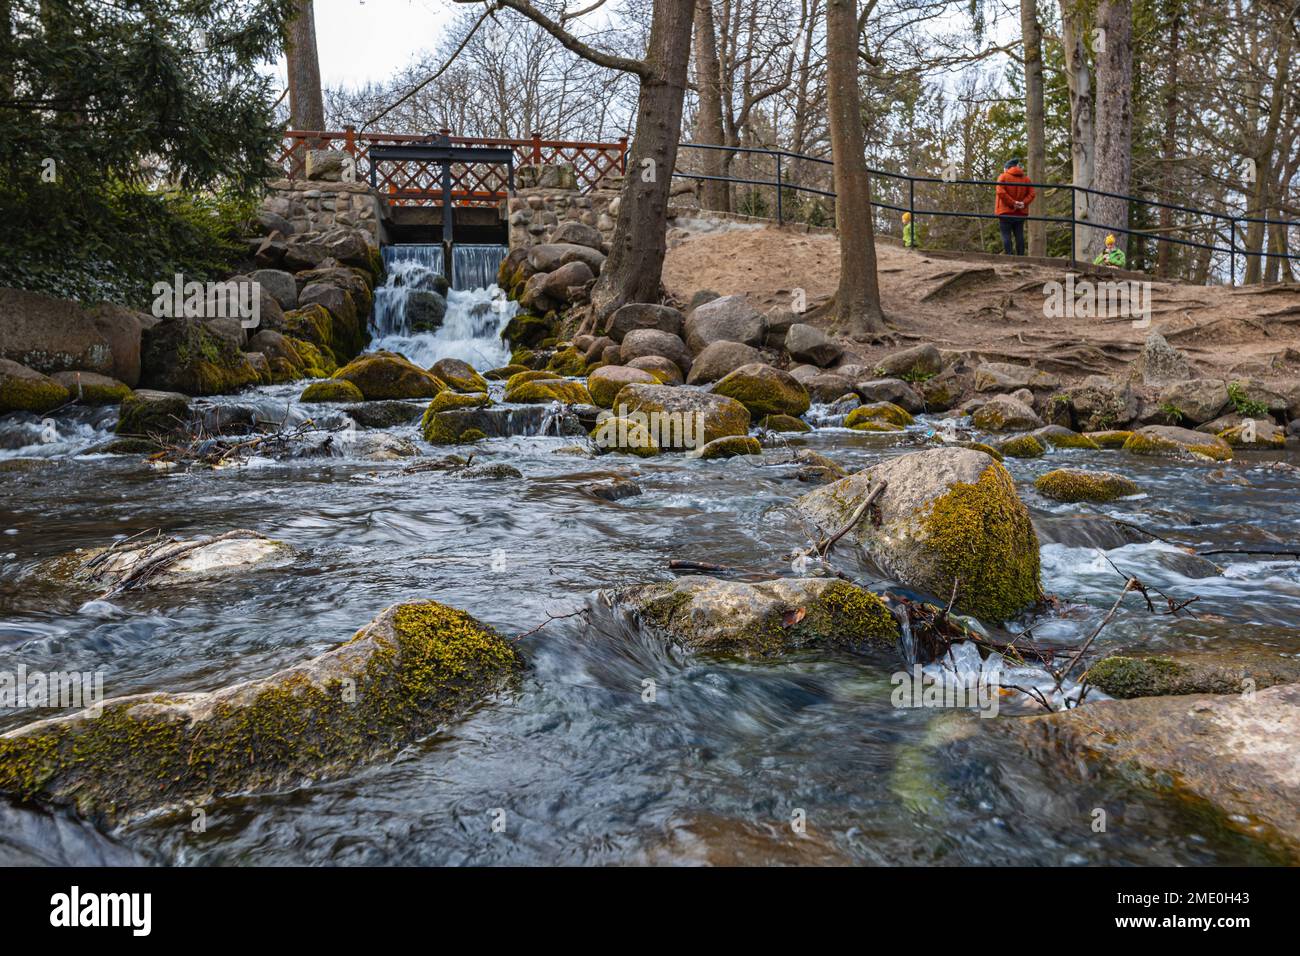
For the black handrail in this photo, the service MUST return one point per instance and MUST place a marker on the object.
(1072, 220)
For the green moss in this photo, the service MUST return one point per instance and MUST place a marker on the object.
(1070, 485)
(383, 375)
(527, 331)
(1134, 677)
(549, 390)
(142, 416)
(316, 363)
(875, 426)
(146, 752)
(987, 449)
(1233, 436)
(1023, 446)
(784, 423)
(768, 393)
(446, 426)
(730, 446)
(449, 399)
(879, 412)
(331, 390)
(624, 435)
(95, 393)
(1110, 439)
(312, 323)
(531, 375)
(471, 435)
(1069, 439)
(35, 394)
(568, 362)
(1155, 446)
(524, 357)
(982, 533)
(504, 372)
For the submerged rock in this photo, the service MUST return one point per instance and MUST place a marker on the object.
(1170, 441)
(947, 513)
(1072, 484)
(1127, 677)
(167, 561)
(397, 680)
(764, 619)
(331, 390)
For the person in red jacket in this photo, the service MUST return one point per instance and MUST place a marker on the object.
(1014, 194)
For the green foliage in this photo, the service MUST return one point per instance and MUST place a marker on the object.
(1243, 404)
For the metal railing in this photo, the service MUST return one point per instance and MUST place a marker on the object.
(782, 159)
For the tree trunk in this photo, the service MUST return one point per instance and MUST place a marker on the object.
(1114, 121)
(857, 300)
(1169, 145)
(1079, 80)
(306, 103)
(714, 194)
(1259, 193)
(636, 255)
(1036, 161)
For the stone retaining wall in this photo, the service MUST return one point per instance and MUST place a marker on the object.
(318, 206)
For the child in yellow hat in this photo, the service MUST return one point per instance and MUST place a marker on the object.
(1113, 256)
(909, 232)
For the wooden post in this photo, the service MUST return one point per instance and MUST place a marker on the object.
(537, 149)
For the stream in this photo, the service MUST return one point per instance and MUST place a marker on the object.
(576, 764)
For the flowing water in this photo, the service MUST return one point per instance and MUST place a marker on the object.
(577, 764)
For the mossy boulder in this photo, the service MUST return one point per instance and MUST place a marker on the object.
(1169, 441)
(1109, 439)
(880, 412)
(448, 400)
(453, 426)
(784, 423)
(401, 677)
(146, 412)
(605, 383)
(191, 356)
(527, 331)
(91, 388)
(665, 370)
(987, 449)
(22, 390)
(315, 362)
(764, 619)
(548, 390)
(331, 390)
(946, 514)
(568, 361)
(1071, 485)
(1127, 677)
(312, 323)
(504, 372)
(729, 447)
(1252, 434)
(530, 375)
(764, 390)
(915, 364)
(683, 418)
(1023, 446)
(630, 436)
(460, 376)
(1058, 436)
(382, 375)
(1005, 414)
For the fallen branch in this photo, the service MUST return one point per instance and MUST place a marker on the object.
(549, 619)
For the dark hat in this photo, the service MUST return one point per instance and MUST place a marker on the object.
(1011, 162)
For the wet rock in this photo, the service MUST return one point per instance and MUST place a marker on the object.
(1004, 414)
(720, 358)
(807, 343)
(527, 330)
(766, 619)
(1059, 436)
(448, 400)
(460, 376)
(917, 363)
(728, 447)
(816, 468)
(168, 562)
(48, 334)
(941, 392)
(783, 423)
(331, 390)
(399, 679)
(1160, 363)
(186, 355)
(383, 414)
(547, 390)
(686, 417)
(645, 315)
(1197, 400)
(547, 257)
(728, 319)
(1022, 446)
(146, 413)
(1109, 439)
(1128, 677)
(1255, 434)
(880, 413)
(665, 370)
(1236, 753)
(380, 446)
(640, 343)
(947, 513)
(567, 361)
(764, 390)
(1169, 441)
(1005, 377)
(426, 310)
(1071, 484)
(504, 372)
(606, 382)
(23, 390)
(382, 375)
(614, 490)
(627, 435)
(893, 390)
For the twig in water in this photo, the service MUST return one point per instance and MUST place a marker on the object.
(549, 619)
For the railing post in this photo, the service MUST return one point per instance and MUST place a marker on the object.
(537, 149)
(1232, 251)
(780, 214)
(622, 155)
(911, 213)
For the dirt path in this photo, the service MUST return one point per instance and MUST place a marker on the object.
(995, 308)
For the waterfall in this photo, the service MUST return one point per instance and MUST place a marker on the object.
(464, 322)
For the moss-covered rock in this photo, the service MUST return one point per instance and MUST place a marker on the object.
(399, 679)
(875, 425)
(1169, 441)
(312, 323)
(729, 447)
(527, 331)
(987, 449)
(504, 372)
(1005, 414)
(886, 412)
(145, 413)
(382, 375)
(764, 390)
(91, 388)
(568, 361)
(1128, 677)
(766, 619)
(1109, 439)
(1022, 446)
(548, 390)
(446, 401)
(190, 356)
(331, 390)
(452, 426)
(460, 376)
(22, 390)
(784, 423)
(605, 383)
(630, 436)
(530, 375)
(315, 362)
(1255, 434)
(945, 514)
(1072, 484)
(683, 418)
(1058, 436)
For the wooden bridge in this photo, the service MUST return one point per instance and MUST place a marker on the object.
(420, 182)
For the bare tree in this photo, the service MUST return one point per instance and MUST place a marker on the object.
(1114, 119)
(1032, 37)
(306, 104)
(714, 193)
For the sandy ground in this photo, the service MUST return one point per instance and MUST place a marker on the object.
(995, 308)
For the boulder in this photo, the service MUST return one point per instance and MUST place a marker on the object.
(548, 257)
(567, 361)
(913, 364)
(281, 286)
(644, 315)
(886, 412)
(1196, 400)
(642, 342)
(1233, 753)
(1160, 363)
(946, 514)
(387, 375)
(665, 370)
(425, 310)
(1205, 673)
(1005, 377)
(331, 390)
(807, 343)
(941, 392)
(764, 619)
(1169, 441)
(577, 233)
(311, 250)
(892, 390)
(146, 413)
(1100, 403)
(719, 359)
(23, 390)
(606, 382)
(564, 283)
(459, 375)
(802, 373)
(91, 388)
(615, 433)
(187, 355)
(1073, 484)
(283, 360)
(548, 390)
(764, 390)
(170, 562)
(595, 352)
(383, 414)
(683, 418)
(396, 681)
(1249, 434)
(1005, 414)
(729, 319)
(728, 447)
(47, 334)
(826, 387)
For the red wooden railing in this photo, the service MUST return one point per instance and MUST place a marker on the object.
(416, 183)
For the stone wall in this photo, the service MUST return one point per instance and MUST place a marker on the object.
(313, 206)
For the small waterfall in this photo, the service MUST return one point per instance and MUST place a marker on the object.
(475, 267)
(408, 268)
